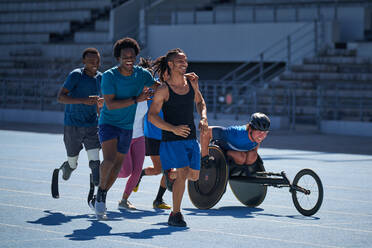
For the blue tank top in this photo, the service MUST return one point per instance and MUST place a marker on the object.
(150, 130)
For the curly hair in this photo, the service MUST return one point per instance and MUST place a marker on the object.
(90, 50)
(160, 65)
(125, 43)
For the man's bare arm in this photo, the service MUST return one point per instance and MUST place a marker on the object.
(153, 115)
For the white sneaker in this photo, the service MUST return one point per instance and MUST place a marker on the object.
(125, 204)
(100, 209)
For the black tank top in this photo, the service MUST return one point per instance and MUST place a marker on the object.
(179, 110)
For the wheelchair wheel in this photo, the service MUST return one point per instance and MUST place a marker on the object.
(307, 194)
(249, 194)
(208, 190)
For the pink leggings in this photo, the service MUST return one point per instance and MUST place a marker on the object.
(133, 163)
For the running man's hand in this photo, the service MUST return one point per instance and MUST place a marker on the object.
(100, 102)
(182, 130)
(193, 78)
(91, 100)
(203, 125)
(145, 95)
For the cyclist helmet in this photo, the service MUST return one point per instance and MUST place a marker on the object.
(259, 121)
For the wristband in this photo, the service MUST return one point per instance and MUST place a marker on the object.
(134, 98)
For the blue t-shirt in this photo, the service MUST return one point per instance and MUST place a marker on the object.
(150, 130)
(234, 138)
(80, 85)
(123, 87)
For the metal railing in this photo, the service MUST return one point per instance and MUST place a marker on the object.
(322, 102)
(304, 41)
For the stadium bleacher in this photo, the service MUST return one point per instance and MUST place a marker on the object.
(41, 41)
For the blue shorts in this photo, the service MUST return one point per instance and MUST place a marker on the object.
(108, 132)
(179, 154)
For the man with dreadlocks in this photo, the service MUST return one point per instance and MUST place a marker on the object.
(179, 148)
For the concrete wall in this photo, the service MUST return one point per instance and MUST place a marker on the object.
(347, 128)
(31, 116)
(224, 42)
(125, 19)
(54, 117)
(353, 20)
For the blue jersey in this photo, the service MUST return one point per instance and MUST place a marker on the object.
(123, 87)
(234, 138)
(80, 85)
(150, 130)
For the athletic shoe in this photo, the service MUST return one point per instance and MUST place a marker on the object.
(206, 161)
(168, 181)
(94, 166)
(125, 204)
(135, 189)
(176, 220)
(161, 204)
(66, 170)
(100, 209)
(92, 202)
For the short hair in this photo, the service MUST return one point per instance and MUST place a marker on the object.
(125, 43)
(91, 50)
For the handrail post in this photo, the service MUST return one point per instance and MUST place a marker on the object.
(233, 13)
(288, 51)
(315, 37)
(319, 104)
(261, 67)
(214, 16)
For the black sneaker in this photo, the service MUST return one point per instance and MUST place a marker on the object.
(206, 161)
(176, 220)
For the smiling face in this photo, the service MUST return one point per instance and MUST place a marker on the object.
(127, 59)
(178, 64)
(258, 136)
(91, 63)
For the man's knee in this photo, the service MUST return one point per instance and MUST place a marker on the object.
(193, 175)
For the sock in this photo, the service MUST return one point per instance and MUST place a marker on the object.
(101, 195)
(160, 194)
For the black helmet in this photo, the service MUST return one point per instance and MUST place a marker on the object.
(259, 121)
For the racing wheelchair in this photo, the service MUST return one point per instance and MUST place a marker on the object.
(249, 183)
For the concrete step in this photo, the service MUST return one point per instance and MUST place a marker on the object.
(102, 26)
(50, 27)
(52, 5)
(311, 76)
(43, 16)
(338, 52)
(24, 38)
(337, 60)
(89, 37)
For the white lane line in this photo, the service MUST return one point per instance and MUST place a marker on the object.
(82, 236)
(192, 230)
(74, 185)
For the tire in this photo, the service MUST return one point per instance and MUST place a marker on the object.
(307, 204)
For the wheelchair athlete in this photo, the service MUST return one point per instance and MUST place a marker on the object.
(240, 142)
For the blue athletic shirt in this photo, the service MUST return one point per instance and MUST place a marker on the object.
(80, 85)
(123, 87)
(235, 138)
(150, 130)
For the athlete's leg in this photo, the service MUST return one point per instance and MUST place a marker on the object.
(251, 156)
(137, 157)
(238, 157)
(179, 189)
